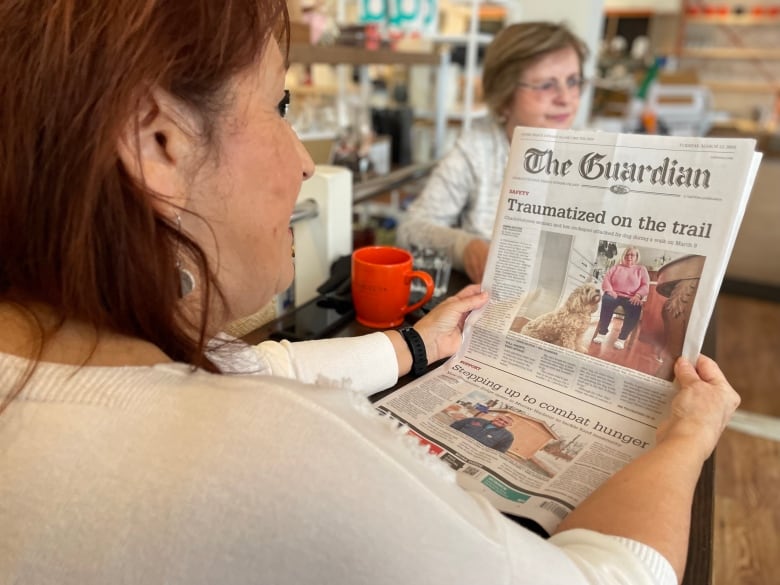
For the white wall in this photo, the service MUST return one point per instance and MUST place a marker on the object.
(584, 17)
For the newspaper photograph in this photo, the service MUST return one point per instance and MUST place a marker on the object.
(607, 255)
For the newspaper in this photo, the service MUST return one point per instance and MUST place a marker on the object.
(533, 412)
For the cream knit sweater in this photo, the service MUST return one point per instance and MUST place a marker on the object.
(167, 475)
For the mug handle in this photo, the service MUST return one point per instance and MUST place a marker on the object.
(426, 278)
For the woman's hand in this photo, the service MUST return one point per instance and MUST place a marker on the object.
(442, 328)
(649, 500)
(702, 407)
(635, 300)
(475, 258)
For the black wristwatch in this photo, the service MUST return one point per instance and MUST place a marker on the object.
(417, 347)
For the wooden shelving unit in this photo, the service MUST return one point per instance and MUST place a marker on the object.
(434, 51)
(437, 57)
(338, 55)
(733, 19)
(345, 57)
(743, 86)
(735, 53)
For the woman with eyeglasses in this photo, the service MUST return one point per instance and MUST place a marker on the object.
(532, 76)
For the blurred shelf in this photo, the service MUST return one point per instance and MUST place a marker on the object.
(307, 135)
(730, 53)
(456, 113)
(735, 55)
(733, 19)
(482, 3)
(628, 13)
(366, 190)
(742, 86)
(313, 90)
(339, 55)
(481, 39)
(486, 10)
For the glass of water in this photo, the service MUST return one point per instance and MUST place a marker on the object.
(437, 263)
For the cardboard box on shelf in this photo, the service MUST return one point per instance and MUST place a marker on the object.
(300, 33)
(682, 77)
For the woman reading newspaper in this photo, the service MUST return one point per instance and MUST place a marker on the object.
(146, 182)
(532, 77)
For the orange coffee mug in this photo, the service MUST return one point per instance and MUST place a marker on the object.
(381, 280)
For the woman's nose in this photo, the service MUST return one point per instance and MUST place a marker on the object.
(566, 94)
(307, 164)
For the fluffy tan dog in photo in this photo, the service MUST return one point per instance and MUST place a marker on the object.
(565, 325)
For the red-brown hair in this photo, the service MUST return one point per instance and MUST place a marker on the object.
(76, 232)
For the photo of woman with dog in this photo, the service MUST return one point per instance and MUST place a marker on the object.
(579, 311)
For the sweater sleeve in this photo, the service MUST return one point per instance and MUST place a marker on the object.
(606, 283)
(433, 219)
(372, 365)
(644, 279)
(612, 559)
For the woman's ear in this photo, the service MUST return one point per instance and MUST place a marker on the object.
(157, 147)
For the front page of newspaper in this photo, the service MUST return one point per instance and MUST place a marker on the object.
(607, 255)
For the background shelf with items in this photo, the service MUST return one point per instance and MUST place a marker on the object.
(641, 86)
(392, 64)
(446, 100)
(733, 46)
(385, 99)
(334, 97)
(332, 88)
(343, 90)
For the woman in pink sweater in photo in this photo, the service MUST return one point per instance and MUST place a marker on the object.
(625, 285)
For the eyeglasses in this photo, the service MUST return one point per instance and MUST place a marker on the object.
(552, 87)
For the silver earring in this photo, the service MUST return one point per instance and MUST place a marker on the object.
(186, 278)
(186, 281)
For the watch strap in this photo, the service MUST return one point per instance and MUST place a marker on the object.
(417, 348)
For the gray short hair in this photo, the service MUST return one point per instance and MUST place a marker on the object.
(516, 48)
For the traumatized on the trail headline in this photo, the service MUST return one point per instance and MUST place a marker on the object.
(593, 166)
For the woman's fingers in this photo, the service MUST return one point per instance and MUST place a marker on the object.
(703, 406)
(441, 328)
(467, 291)
(465, 300)
(706, 371)
(685, 372)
